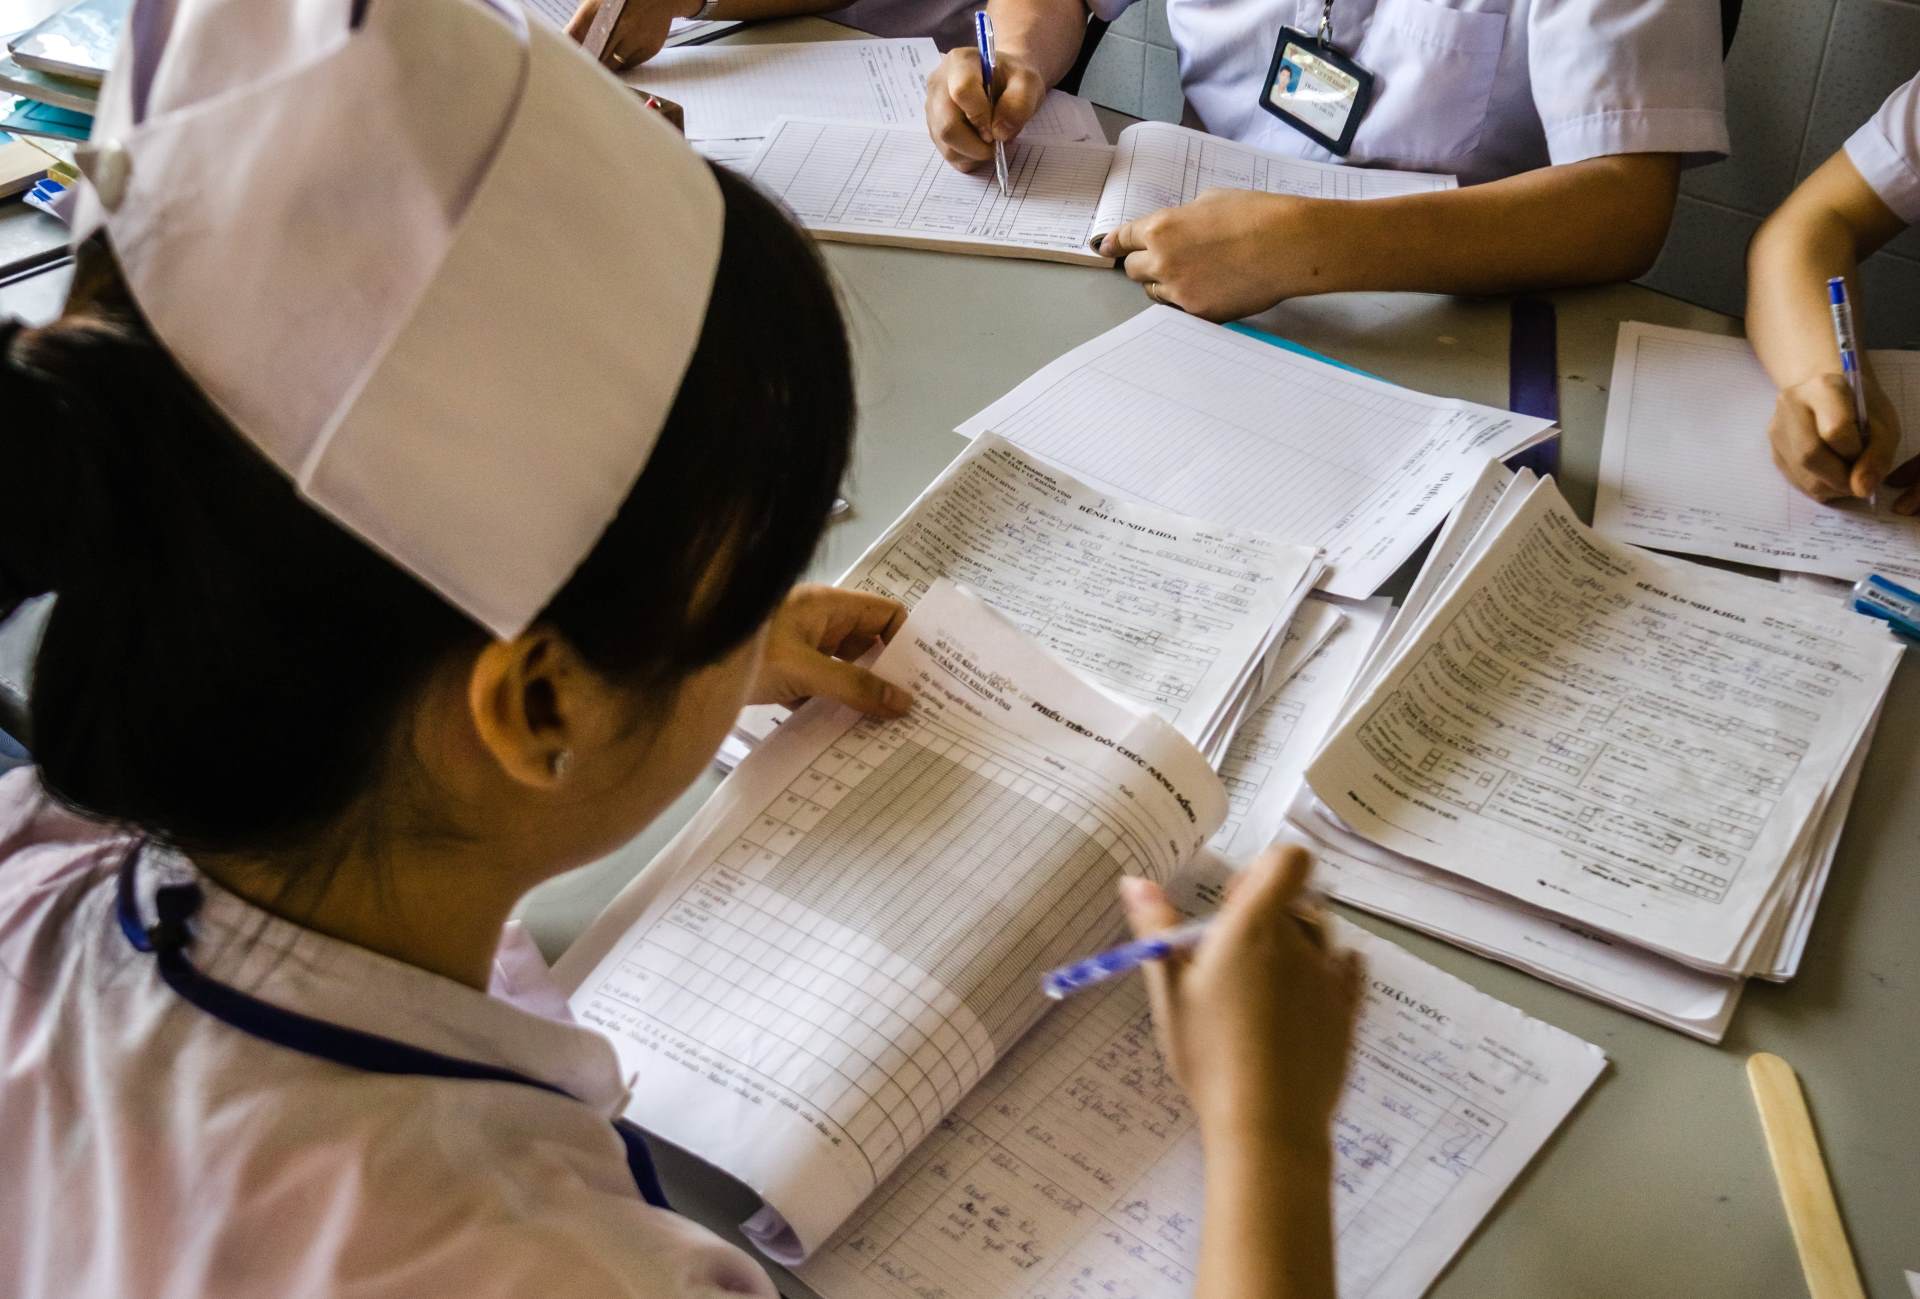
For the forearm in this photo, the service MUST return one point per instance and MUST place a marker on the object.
(1268, 1228)
(1592, 222)
(1043, 34)
(1788, 320)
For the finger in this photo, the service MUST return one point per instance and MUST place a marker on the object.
(969, 99)
(1272, 885)
(861, 617)
(1149, 912)
(1831, 408)
(953, 135)
(852, 685)
(1909, 502)
(1870, 470)
(1143, 267)
(1127, 239)
(582, 19)
(1020, 98)
(1808, 462)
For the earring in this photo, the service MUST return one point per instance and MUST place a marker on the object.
(559, 762)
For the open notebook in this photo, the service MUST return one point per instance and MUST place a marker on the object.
(889, 185)
(825, 965)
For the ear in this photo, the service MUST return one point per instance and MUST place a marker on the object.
(520, 695)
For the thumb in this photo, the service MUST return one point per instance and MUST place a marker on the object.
(851, 684)
(1018, 102)
(1147, 908)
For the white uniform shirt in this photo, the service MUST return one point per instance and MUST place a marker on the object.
(1886, 150)
(152, 1150)
(1480, 89)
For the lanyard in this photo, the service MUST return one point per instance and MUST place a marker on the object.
(168, 940)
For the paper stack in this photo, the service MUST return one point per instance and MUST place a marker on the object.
(1622, 772)
(53, 70)
(1183, 618)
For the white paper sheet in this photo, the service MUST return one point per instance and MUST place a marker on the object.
(1165, 611)
(735, 92)
(1158, 165)
(840, 944)
(1075, 1168)
(1638, 744)
(888, 184)
(1198, 418)
(1685, 464)
(1271, 749)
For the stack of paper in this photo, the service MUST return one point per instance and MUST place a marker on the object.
(1183, 618)
(1625, 773)
(52, 71)
(829, 982)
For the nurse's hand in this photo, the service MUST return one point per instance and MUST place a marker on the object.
(812, 642)
(639, 34)
(1229, 253)
(1255, 1022)
(959, 118)
(1817, 443)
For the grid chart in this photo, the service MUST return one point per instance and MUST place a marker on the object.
(1219, 425)
(1075, 1169)
(868, 943)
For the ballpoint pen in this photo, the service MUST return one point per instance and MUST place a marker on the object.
(1116, 961)
(1849, 358)
(983, 37)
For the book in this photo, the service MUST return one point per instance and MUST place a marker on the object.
(25, 116)
(828, 986)
(77, 41)
(62, 92)
(889, 185)
(20, 166)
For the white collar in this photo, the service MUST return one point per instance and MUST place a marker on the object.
(255, 952)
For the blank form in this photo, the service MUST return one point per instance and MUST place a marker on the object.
(849, 934)
(1686, 465)
(1188, 415)
(1074, 1169)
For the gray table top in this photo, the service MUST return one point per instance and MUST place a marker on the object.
(1659, 1183)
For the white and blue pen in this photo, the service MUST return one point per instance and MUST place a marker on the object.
(1844, 336)
(983, 37)
(1124, 959)
(1890, 602)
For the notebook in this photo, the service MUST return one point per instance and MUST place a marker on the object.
(827, 985)
(62, 92)
(889, 185)
(25, 116)
(20, 166)
(78, 41)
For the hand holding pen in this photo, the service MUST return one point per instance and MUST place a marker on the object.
(983, 37)
(967, 115)
(1254, 1017)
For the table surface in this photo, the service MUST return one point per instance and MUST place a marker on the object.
(1659, 1182)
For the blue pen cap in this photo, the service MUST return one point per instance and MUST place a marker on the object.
(1836, 290)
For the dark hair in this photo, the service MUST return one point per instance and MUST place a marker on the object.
(225, 667)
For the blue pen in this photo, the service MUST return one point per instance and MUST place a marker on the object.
(1114, 962)
(983, 37)
(1849, 357)
(1890, 602)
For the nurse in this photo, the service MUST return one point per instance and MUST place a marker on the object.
(1566, 121)
(413, 545)
(1853, 203)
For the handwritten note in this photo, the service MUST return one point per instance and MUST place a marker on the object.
(1074, 1169)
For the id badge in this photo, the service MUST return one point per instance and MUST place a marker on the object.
(1316, 90)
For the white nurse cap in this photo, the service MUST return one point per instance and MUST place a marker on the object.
(442, 269)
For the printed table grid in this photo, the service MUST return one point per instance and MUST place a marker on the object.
(879, 1046)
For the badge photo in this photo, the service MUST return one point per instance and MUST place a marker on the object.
(1316, 90)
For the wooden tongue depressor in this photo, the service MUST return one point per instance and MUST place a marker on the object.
(1818, 1233)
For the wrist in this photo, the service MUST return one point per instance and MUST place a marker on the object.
(1264, 1128)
